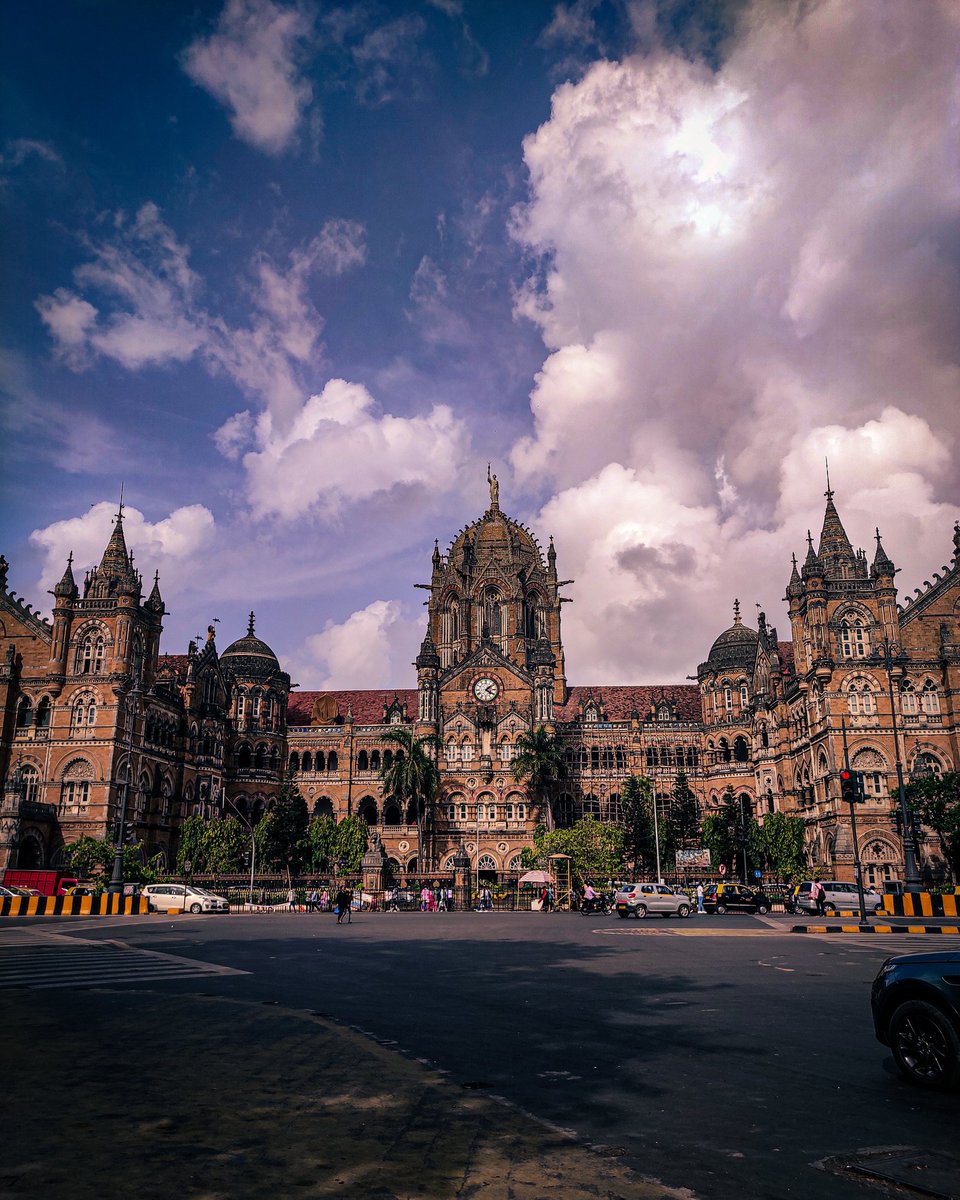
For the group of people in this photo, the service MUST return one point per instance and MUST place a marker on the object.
(320, 901)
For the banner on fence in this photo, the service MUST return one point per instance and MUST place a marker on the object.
(687, 859)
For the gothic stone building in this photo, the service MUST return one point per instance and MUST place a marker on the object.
(96, 720)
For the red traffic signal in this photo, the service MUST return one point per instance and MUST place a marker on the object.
(850, 789)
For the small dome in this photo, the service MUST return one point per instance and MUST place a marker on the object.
(250, 657)
(736, 646)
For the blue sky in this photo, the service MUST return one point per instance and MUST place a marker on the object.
(294, 272)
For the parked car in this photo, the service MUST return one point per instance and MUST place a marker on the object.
(734, 897)
(162, 897)
(81, 889)
(641, 899)
(916, 1012)
(838, 897)
(7, 893)
(26, 892)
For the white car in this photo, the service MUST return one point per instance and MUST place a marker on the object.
(639, 899)
(167, 897)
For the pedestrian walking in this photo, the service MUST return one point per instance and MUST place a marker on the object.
(348, 894)
(313, 901)
(324, 901)
(291, 900)
(262, 897)
(342, 904)
(549, 897)
(819, 896)
(700, 907)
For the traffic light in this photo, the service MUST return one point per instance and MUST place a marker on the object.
(850, 786)
(129, 834)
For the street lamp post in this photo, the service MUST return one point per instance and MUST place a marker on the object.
(743, 833)
(890, 655)
(115, 885)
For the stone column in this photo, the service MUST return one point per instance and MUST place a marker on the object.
(462, 880)
(374, 868)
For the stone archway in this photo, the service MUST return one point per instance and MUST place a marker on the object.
(880, 861)
(30, 856)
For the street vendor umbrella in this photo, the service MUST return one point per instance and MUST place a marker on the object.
(535, 877)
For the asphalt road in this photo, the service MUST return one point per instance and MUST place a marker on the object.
(722, 1054)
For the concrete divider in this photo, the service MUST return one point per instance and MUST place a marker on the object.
(919, 930)
(921, 904)
(72, 906)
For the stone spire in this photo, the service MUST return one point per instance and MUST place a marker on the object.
(154, 600)
(835, 551)
(811, 564)
(67, 587)
(794, 587)
(115, 574)
(428, 656)
(882, 564)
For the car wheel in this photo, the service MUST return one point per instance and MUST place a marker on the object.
(195, 908)
(683, 910)
(621, 914)
(721, 909)
(641, 911)
(925, 1045)
(829, 909)
(878, 908)
(762, 910)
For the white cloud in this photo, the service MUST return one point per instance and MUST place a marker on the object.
(739, 272)
(373, 648)
(18, 150)
(340, 449)
(151, 313)
(252, 65)
(173, 545)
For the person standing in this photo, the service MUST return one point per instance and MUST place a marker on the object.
(819, 897)
(348, 893)
(324, 901)
(548, 898)
(700, 907)
(313, 901)
(291, 900)
(340, 900)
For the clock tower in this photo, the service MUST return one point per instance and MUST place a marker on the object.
(490, 668)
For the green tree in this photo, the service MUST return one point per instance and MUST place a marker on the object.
(412, 780)
(321, 847)
(286, 830)
(782, 841)
(192, 847)
(539, 761)
(726, 832)
(352, 838)
(90, 857)
(226, 841)
(936, 801)
(639, 839)
(683, 817)
(594, 847)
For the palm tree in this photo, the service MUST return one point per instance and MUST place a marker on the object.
(539, 760)
(413, 778)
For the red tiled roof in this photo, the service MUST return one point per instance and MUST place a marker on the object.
(173, 664)
(617, 702)
(366, 707)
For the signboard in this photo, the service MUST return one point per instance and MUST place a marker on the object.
(693, 858)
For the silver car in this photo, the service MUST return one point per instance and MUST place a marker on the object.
(837, 897)
(639, 899)
(170, 897)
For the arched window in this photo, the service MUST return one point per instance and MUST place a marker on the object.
(294, 763)
(42, 719)
(744, 696)
(621, 758)
(319, 763)
(929, 695)
(306, 763)
(30, 780)
(724, 749)
(261, 757)
(591, 806)
(368, 810)
(466, 751)
(363, 761)
(75, 789)
(374, 760)
(594, 758)
(727, 697)
(392, 815)
(24, 713)
(607, 758)
(453, 752)
(90, 655)
(491, 613)
(860, 699)
(584, 758)
(740, 752)
(909, 701)
(387, 759)
(854, 639)
(244, 756)
(333, 762)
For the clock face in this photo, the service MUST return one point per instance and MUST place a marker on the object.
(486, 689)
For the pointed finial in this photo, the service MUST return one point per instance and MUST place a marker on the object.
(828, 493)
(120, 509)
(251, 624)
(736, 612)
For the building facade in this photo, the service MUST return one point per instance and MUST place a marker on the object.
(99, 727)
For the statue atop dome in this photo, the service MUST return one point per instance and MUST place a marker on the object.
(494, 491)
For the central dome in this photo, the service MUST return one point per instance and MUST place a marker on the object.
(497, 536)
(736, 646)
(251, 657)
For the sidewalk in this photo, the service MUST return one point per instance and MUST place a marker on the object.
(203, 1098)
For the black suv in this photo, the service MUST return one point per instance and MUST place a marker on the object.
(916, 1012)
(734, 897)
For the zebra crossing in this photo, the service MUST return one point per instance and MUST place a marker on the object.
(39, 961)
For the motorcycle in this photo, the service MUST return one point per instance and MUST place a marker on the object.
(598, 904)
